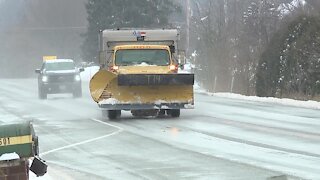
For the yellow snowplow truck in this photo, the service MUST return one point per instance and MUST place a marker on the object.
(139, 73)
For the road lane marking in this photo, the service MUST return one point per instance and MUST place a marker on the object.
(119, 130)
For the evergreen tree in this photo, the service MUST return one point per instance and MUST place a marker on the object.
(290, 66)
(112, 14)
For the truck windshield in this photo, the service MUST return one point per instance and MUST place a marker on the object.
(131, 57)
(58, 66)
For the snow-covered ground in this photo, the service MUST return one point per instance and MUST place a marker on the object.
(281, 101)
(226, 136)
(284, 101)
(45, 177)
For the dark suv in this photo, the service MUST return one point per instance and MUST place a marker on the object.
(59, 76)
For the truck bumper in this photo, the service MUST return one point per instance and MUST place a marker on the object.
(164, 106)
(52, 88)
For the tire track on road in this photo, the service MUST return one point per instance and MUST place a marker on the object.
(257, 144)
(263, 128)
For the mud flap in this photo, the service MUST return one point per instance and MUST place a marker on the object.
(155, 79)
(38, 167)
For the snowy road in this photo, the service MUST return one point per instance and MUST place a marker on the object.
(221, 139)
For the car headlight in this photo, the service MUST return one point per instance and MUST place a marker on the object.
(77, 78)
(44, 79)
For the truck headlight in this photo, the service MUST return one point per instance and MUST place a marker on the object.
(44, 79)
(77, 78)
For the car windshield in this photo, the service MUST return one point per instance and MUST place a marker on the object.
(129, 57)
(59, 66)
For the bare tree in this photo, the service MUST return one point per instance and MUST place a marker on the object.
(231, 35)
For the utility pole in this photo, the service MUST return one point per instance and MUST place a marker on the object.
(188, 11)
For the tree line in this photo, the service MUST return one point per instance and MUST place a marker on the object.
(253, 47)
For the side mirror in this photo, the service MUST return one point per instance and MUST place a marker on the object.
(172, 49)
(181, 57)
(38, 71)
(181, 66)
(81, 69)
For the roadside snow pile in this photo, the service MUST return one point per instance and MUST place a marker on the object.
(188, 68)
(286, 102)
(88, 72)
(197, 88)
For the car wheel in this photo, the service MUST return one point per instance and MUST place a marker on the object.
(161, 113)
(42, 93)
(77, 93)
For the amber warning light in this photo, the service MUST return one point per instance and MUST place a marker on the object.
(173, 68)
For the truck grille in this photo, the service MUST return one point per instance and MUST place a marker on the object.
(64, 78)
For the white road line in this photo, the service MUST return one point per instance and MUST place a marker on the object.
(89, 140)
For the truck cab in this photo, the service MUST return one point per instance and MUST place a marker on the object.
(59, 76)
(143, 59)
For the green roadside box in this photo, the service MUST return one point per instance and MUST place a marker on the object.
(18, 138)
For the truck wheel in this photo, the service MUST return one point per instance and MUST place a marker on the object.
(42, 93)
(77, 93)
(161, 113)
(175, 113)
(114, 114)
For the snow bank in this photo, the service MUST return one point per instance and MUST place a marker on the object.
(88, 72)
(197, 88)
(285, 101)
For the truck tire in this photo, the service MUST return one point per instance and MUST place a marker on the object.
(161, 113)
(175, 113)
(114, 114)
(42, 93)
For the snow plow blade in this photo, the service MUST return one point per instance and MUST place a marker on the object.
(142, 91)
